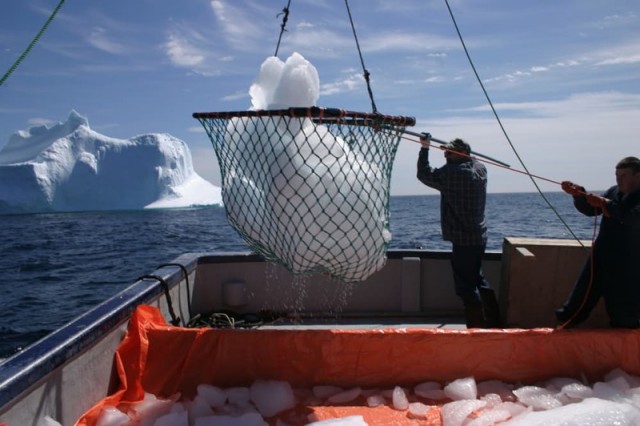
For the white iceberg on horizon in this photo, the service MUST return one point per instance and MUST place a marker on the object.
(70, 167)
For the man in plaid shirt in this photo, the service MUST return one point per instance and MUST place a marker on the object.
(462, 183)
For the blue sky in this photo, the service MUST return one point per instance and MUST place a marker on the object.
(563, 75)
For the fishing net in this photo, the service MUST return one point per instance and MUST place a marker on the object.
(308, 188)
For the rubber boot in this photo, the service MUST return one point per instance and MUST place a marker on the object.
(474, 316)
(490, 308)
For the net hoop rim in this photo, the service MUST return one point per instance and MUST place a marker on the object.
(318, 113)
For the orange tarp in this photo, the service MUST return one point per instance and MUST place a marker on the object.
(163, 359)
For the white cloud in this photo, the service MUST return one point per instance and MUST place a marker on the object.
(624, 54)
(100, 40)
(348, 84)
(181, 52)
(236, 96)
(435, 79)
(617, 20)
(568, 63)
(633, 59)
(539, 69)
(579, 138)
(398, 41)
(322, 42)
(619, 55)
(230, 17)
(212, 49)
(239, 27)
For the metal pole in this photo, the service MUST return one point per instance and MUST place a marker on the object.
(441, 142)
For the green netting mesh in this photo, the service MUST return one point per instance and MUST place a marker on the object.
(308, 188)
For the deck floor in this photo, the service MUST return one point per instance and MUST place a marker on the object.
(369, 323)
(327, 320)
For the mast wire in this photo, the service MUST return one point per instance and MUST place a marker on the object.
(495, 113)
(285, 18)
(364, 69)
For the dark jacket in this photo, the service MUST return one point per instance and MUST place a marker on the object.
(618, 241)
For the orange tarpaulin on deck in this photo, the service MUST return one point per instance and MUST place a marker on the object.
(161, 359)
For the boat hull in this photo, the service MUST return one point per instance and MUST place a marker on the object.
(67, 372)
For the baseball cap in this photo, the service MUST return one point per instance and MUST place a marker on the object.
(459, 145)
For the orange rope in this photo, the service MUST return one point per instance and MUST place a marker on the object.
(591, 274)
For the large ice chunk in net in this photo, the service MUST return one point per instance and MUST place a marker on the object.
(306, 187)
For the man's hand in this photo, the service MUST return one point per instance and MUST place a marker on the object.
(572, 188)
(425, 140)
(596, 201)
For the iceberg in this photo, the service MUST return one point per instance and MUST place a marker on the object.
(70, 167)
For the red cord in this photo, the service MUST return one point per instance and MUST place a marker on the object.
(591, 274)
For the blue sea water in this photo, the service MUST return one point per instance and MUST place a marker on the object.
(54, 267)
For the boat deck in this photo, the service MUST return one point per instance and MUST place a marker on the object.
(368, 324)
(328, 320)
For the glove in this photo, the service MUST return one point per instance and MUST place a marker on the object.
(572, 188)
(425, 140)
(598, 202)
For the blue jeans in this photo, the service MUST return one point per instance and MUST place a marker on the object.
(466, 262)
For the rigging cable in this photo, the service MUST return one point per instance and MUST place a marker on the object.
(33, 42)
(592, 249)
(285, 18)
(364, 69)
(495, 113)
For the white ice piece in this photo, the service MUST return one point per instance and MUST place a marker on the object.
(419, 409)
(112, 416)
(399, 399)
(240, 396)
(591, 411)
(173, 419)
(464, 388)
(215, 396)
(537, 397)
(272, 396)
(456, 412)
(375, 400)
(345, 396)
(325, 391)
(430, 390)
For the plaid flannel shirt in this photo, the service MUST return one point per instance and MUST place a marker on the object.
(463, 193)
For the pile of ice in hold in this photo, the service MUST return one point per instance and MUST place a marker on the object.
(305, 195)
(557, 401)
